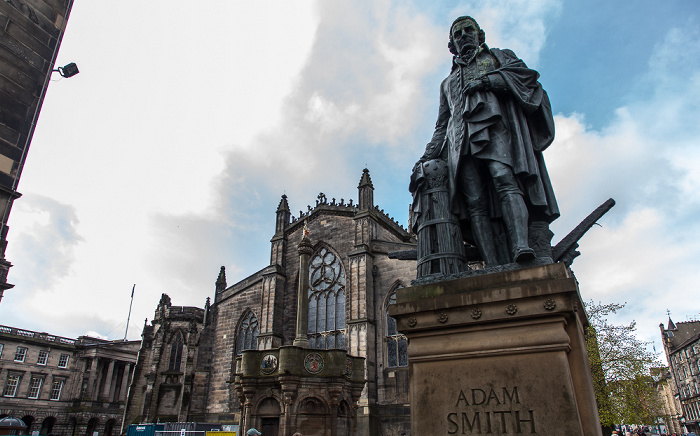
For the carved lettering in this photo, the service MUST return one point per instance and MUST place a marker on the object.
(480, 397)
(519, 421)
(462, 397)
(483, 397)
(510, 396)
(504, 421)
(452, 421)
(504, 428)
(492, 395)
(476, 420)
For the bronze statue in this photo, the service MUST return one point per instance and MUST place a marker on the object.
(494, 121)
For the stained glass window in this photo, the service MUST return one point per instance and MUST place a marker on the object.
(247, 333)
(397, 344)
(326, 301)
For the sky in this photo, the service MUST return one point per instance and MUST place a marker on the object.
(166, 157)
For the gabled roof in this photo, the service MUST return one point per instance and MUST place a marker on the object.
(681, 334)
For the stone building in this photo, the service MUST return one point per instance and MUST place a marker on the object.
(187, 363)
(670, 406)
(682, 347)
(67, 387)
(30, 35)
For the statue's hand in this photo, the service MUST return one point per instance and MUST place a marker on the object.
(480, 84)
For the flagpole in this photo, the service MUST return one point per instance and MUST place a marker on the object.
(129, 317)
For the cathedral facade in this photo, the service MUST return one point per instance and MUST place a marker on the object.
(187, 363)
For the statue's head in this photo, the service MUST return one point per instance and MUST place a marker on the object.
(465, 34)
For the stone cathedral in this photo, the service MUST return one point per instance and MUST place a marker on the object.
(239, 359)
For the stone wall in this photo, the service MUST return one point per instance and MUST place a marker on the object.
(30, 35)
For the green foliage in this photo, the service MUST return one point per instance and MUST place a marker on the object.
(620, 365)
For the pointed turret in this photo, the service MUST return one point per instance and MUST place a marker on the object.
(163, 307)
(671, 325)
(282, 215)
(280, 238)
(365, 192)
(221, 280)
(207, 306)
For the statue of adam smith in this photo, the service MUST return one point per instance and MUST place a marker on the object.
(493, 124)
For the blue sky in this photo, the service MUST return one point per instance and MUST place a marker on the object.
(166, 157)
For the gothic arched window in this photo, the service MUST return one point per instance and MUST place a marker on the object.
(326, 301)
(247, 333)
(175, 353)
(396, 343)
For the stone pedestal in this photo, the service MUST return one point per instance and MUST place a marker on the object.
(498, 353)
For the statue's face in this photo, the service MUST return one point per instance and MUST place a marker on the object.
(465, 35)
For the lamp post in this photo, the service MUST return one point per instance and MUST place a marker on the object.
(69, 70)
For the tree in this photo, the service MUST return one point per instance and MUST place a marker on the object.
(620, 365)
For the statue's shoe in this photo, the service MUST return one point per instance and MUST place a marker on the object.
(524, 254)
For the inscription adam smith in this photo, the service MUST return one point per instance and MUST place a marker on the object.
(496, 412)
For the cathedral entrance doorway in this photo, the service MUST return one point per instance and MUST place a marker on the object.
(270, 426)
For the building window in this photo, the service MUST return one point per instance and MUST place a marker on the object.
(1, 347)
(63, 361)
(326, 301)
(247, 333)
(43, 357)
(396, 343)
(20, 354)
(175, 353)
(11, 385)
(56, 390)
(35, 387)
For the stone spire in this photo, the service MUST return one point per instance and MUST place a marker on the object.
(207, 306)
(282, 215)
(221, 280)
(365, 192)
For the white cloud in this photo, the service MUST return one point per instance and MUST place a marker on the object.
(48, 237)
(519, 25)
(647, 159)
(165, 158)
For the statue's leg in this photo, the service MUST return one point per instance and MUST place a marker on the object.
(474, 189)
(515, 214)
